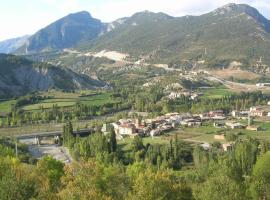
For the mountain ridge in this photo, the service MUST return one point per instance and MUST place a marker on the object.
(19, 76)
(231, 32)
(64, 33)
(10, 45)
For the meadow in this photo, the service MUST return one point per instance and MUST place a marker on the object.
(62, 99)
(217, 93)
(5, 106)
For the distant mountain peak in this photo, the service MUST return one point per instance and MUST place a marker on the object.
(148, 14)
(66, 32)
(84, 14)
(233, 7)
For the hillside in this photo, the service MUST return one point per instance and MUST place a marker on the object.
(19, 76)
(233, 32)
(64, 33)
(8, 46)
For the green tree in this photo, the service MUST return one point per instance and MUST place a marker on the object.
(159, 185)
(49, 172)
(244, 157)
(220, 186)
(137, 144)
(91, 180)
(260, 180)
(112, 141)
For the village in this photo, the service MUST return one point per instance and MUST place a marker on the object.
(154, 127)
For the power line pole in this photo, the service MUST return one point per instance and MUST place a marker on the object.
(16, 148)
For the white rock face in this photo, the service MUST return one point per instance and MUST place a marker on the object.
(113, 55)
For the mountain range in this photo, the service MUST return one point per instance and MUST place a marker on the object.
(10, 45)
(234, 32)
(19, 76)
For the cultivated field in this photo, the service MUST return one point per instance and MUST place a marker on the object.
(236, 74)
(62, 99)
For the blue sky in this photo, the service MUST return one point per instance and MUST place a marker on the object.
(20, 17)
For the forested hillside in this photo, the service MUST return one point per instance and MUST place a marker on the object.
(232, 32)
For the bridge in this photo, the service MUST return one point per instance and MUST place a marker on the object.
(55, 134)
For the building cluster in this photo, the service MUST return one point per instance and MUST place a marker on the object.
(260, 111)
(165, 123)
(152, 127)
(213, 115)
(161, 124)
(228, 124)
(254, 111)
(226, 146)
(188, 94)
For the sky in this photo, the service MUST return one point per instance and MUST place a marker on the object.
(21, 17)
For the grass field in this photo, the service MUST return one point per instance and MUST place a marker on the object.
(206, 133)
(126, 143)
(37, 128)
(216, 93)
(236, 74)
(62, 99)
(70, 99)
(5, 106)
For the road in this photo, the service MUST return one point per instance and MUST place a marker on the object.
(232, 85)
(53, 133)
(57, 152)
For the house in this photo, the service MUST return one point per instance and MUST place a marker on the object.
(191, 122)
(218, 118)
(240, 114)
(219, 137)
(235, 113)
(234, 125)
(260, 111)
(257, 113)
(216, 113)
(116, 127)
(127, 129)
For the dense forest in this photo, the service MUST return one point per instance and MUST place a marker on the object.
(102, 170)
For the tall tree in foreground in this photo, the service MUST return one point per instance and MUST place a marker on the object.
(48, 173)
(160, 185)
(68, 138)
(91, 180)
(260, 181)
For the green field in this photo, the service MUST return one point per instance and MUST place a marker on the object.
(70, 100)
(217, 93)
(5, 106)
(206, 133)
(126, 143)
(62, 99)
